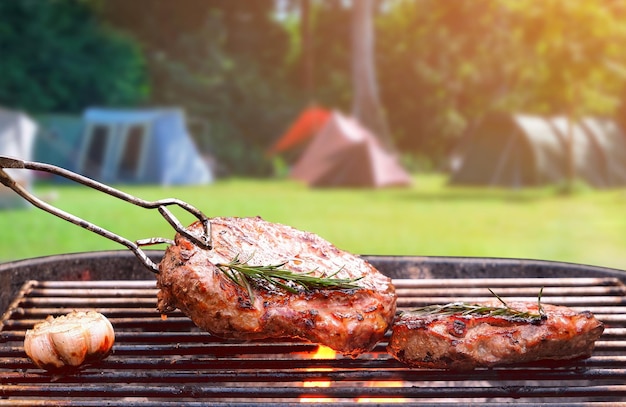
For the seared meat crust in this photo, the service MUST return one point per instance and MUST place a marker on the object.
(350, 321)
(464, 342)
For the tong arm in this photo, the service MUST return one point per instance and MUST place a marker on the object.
(203, 241)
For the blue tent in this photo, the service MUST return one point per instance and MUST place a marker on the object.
(149, 146)
(58, 139)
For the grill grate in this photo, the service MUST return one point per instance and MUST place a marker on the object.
(158, 361)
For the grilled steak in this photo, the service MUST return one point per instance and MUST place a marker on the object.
(349, 320)
(463, 342)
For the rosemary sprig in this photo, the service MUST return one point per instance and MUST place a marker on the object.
(246, 276)
(462, 308)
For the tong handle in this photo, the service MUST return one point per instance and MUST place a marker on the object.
(203, 241)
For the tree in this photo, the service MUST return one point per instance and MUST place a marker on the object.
(448, 63)
(308, 59)
(366, 105)
(320, 52)
(55, 56)
(334, 36)
(431, 70)
(223, 62)
(575, 64)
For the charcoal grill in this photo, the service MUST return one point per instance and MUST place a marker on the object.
(157, 362)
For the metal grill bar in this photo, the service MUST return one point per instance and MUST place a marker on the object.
(505, 282)
(169, 361)
(338, 374)
(267, 392)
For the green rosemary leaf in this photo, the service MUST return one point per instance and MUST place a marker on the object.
(246, 275)
(462, 308)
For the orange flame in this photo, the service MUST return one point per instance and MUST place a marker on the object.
(324, 352)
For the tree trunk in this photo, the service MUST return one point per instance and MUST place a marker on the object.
(366, 105)
(307, 48)
(572, 115)
(571, 165)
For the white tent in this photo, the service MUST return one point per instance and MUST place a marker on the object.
(149, 146)
(17, 138)
(518, 150)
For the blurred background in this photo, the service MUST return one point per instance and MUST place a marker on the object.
(489, 128)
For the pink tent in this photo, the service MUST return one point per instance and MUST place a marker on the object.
(344, 153)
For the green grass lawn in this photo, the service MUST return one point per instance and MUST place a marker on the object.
(430, 219)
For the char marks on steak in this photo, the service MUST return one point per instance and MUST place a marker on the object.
(351, 321)
(464, 342)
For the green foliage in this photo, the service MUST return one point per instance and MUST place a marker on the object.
(433, 60)
(57, 57)
(571, 67)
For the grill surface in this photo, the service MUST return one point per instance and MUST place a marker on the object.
(157, 361)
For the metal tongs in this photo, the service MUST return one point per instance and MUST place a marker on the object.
(203, 241)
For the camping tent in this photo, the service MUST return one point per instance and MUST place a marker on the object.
(306, 125)
(609, 137)
(523, 150)
(17, 137)
(140, 146)
(343, 153)
(58, 139)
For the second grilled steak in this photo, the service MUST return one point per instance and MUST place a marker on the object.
(463, 342)
(350, 321)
